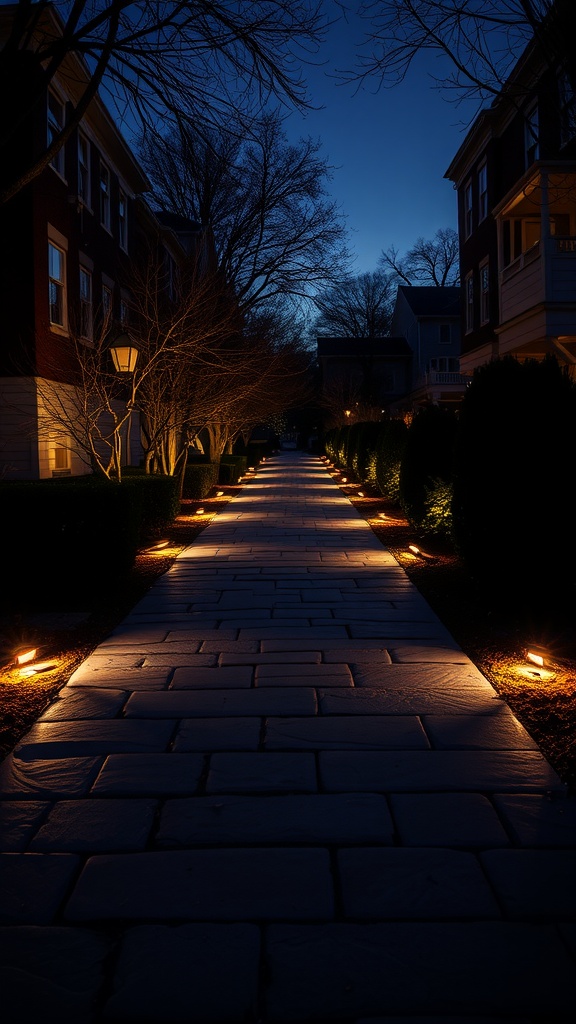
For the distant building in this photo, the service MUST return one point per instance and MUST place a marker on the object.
(361, 377)
(429, 319)
(515, 174)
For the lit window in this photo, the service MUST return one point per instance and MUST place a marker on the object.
(484, 293)
(85, 304)
(482, 193)
(55, 126)
(84, 169)
(61, 457)
(122, 220)
(531, 136)
(469, 284)
(468, 210)
(57, 285)
(567, 109)
(105, 196)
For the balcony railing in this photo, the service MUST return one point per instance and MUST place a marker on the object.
(542, 274)
(437, 378)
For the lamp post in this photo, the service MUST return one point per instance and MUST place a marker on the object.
(124, 355)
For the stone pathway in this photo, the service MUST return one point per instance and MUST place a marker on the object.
(279, 791)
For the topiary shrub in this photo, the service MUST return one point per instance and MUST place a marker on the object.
(427, 456)
(199, 479)
(232, 467)
(390, 447)
(514, 481)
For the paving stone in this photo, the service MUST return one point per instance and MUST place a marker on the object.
(420, 701)
(79, 826)
(352, 818)
(205, 885)
(499, 731)
(127, 679)
(358, 655)
(533, 884)
(271, 675)
(341, 733)
(424, 653)
(410, 676)
(447, 819)
(295, 657)
(230, 646)
(149, 774)
(293, 633)
(436, 770)
(51, 974)
(205, 704)
(213, 734)
(18, 822)
(398, 630)
(191, 973)
(411, 884)
(169, 658)
(69, 739)
(74, 702)
(262, 773)
(212, 678)
(342, 971)
(25, 779)
(539, 819)
(34, 885)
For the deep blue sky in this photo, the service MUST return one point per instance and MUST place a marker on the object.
(390, 150)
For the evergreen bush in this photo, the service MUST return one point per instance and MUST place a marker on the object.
(514, 481)
(428, 456)
(392, 439)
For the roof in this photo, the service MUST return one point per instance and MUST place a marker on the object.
(430, 301)
(354, 348)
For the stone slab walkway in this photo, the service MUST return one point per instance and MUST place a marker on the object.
(280, 792)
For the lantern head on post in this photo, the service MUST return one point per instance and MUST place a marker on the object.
(124, 354)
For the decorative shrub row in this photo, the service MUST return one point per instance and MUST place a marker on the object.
(232, 467)
(496, 478)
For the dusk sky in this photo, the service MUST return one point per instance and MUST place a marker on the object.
(390, 150)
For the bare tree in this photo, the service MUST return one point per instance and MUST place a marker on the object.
(433, 261)
(178, 63)
(477, 42)
(276, 231)
(359, 307)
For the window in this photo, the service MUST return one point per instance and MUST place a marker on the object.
(123, 220)
(469, 285)
(61, 458)
(84, 190)
(484, 292)
(444, 334)
(57, 285)
(170, 275)
(85, 303)
(55, 125)
(531, 136)
(468, 210)
(107, 296)
(567, 109)
(482, 193)
(124, 311)
(104, 196)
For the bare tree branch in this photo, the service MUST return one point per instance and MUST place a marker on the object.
(432, 261)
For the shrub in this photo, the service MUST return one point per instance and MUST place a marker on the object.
(514, 481)
(76, 535)
(437, 518)
(428, 455)
(232, 467)
(391, 443)
(158, 501)
(199, 479)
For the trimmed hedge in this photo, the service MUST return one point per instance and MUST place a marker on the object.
(66, 536)
(427, 460)
(232, 467)
(199, 479)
